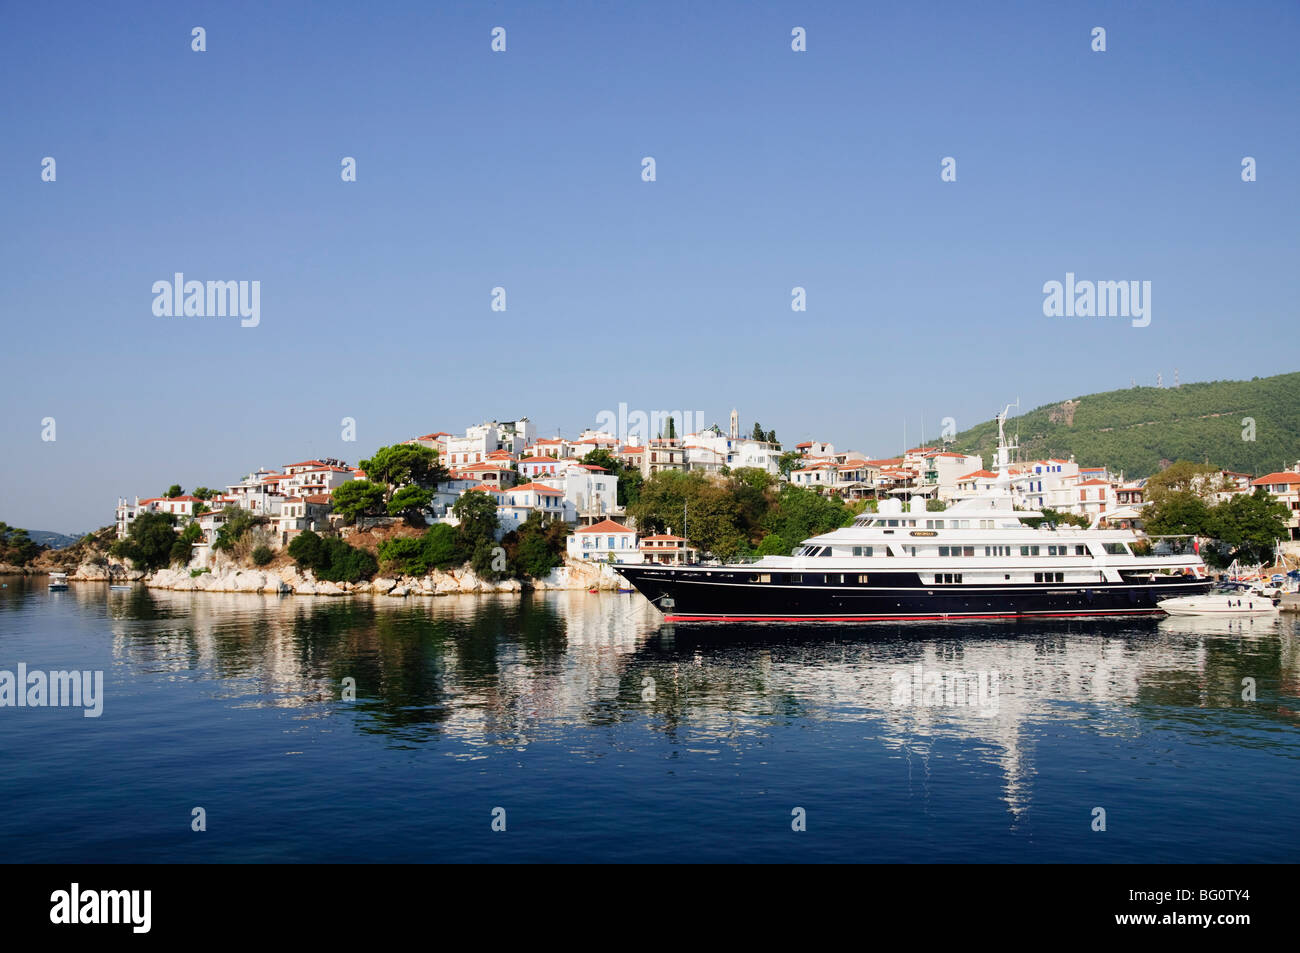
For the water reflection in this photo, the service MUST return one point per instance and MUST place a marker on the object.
(482, 674)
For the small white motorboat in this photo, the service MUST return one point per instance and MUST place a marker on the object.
(58, 580)
(1223, 600)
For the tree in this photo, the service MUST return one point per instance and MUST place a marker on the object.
(758, 433)
(477, 513)
(788, 461)
(801, 514)
(771, 438)
(331, 559)
(204, 493)
(1180, 513)
(672, 427)
(151, 541)
(238, 524)
(401, 465)
(358, 498)
(1182, 477)
(1249, 526)
(404, 554)
(600, 457)
(773, 545)
(485, 562)
(535, 548)
(174, 491)
(440, 547)
(306, 549)
(17, 547)
(410, 502)
(711, 511)
(183, 548)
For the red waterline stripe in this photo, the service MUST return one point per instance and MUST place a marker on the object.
(951, 617)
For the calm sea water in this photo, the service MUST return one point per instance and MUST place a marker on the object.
(606, 736)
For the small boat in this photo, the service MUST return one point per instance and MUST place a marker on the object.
(119, 588)
(1224, 600)
(58, 580)
(593, 590)
(629, 589)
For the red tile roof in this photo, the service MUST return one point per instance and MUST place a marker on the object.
(606, 526)
(536, 487)
(1282, 476)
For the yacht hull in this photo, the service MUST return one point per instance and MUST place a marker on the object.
(726, 594)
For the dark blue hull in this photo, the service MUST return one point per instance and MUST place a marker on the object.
(700, 594)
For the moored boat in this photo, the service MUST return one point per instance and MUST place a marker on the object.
(977, 559)
(58, 580)
(1226, 599)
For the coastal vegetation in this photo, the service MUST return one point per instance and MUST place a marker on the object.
(1244, 527)
(151, 542)
(332, 559)
(1250, 426)
(17, 548)
(745, 513)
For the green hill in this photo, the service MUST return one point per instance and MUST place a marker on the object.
(1133, 430)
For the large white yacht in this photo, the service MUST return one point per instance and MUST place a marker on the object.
(976, 559)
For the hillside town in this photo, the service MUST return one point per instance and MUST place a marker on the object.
(524, 474)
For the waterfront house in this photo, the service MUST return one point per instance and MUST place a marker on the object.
(667, 550)
(604, 541)
(1284, 486)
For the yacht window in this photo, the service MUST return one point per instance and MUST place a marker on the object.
(862, 550)
(862, 579)
(947, 578)
(1117, 549)
(1080, 550)
(827, 551)
(1028, 550)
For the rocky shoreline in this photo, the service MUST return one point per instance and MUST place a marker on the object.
(289, 580)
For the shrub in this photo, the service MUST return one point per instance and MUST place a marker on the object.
(331, 559)
(404, 555)
(262, 555)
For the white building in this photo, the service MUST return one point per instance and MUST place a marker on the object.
(590, 493)
(518, 502)
(481, 440)
(1034, 483)
(942, 469)
(604, 541)
(1284, 486)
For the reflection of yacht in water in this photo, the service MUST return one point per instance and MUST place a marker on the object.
(974, 560)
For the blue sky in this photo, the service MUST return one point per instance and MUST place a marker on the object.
(522, 169)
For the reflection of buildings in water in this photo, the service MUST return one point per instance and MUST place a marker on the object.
(526, 698)
(501, 671)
